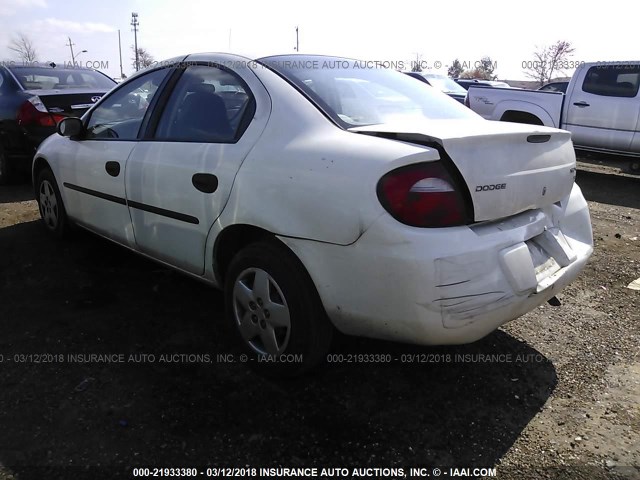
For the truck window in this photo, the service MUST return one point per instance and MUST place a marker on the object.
(612, 80)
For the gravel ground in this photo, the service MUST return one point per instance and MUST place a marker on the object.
(555, 394)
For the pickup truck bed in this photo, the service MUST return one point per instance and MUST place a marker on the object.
(515, 105)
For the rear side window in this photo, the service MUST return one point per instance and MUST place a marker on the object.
(208, 104)
(612, 80)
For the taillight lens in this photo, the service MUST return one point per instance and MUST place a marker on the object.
(423, 195)
(33, 112)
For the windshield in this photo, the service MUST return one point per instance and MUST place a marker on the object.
(34, 78)
(443, 83)
(355, 93)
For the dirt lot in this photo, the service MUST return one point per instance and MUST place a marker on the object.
(555, 394)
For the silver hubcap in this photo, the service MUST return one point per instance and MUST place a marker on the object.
(48, 205)
(261, 312)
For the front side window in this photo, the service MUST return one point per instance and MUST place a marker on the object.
(206, 105)
(352, 93)
(612, 80)
(120, 115)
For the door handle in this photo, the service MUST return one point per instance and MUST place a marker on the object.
(581, 104)
(205, 182)
(112, 168)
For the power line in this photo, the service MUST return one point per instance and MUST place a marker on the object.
(70, 45)
(120, 51)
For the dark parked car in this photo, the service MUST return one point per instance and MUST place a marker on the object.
(555, 87)
(467, 82)
(33, 99)
(441, 82)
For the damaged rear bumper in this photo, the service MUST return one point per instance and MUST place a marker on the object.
(452, 285)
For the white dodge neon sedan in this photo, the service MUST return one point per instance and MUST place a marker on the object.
(322, 192)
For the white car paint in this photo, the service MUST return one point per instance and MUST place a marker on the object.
(83, 163)
(448, 287)
(153, 177)
(312, 185)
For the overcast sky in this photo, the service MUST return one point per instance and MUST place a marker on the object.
(396, 31)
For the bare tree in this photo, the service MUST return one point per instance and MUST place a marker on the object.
(484, 69)
(24, 47)
(145, 59)
(487, 67)
(547, 61)
(456, 69)
(416, 66)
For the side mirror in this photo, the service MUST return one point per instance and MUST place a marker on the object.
(70, 127)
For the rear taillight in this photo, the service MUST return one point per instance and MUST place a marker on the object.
(423, 195)
(33, 112)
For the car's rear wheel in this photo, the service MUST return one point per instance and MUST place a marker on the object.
(273, 306)
(50, 204)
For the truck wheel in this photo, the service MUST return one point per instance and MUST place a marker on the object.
(52, 211)
(273, 306)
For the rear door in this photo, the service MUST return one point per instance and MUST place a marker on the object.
(604, 107)
(179, 178)
(92, 167)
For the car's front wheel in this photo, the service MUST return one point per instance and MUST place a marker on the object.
(275, 309)
(50, 204)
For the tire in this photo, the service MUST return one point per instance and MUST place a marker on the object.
(52, 212)
(6, 172)
(265, 278)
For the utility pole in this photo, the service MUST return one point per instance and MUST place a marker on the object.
(134, 24)
(120, 50)
(70, 45)
(297, 41)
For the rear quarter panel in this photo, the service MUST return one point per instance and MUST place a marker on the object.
(308, 178)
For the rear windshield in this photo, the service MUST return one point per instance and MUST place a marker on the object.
(34, 78)
(355, 93)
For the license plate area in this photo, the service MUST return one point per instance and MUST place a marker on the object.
(543, 263)
(550, 252)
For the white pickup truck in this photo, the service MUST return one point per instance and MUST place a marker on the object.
(601, 108)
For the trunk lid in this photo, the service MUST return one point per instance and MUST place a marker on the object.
(68, 102)
(508, 167)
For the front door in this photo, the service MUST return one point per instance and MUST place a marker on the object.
(93, 166)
